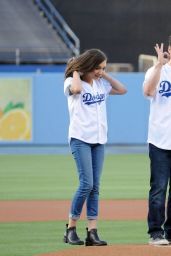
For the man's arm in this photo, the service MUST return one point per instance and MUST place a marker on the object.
(151, 83)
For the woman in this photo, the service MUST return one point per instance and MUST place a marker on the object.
(87, 86)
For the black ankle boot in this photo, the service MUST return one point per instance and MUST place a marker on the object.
(71, 236)
(93, 239)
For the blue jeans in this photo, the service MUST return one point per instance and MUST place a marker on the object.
(89, 159)
(160, 178)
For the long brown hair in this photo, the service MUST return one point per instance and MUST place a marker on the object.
(86, 62)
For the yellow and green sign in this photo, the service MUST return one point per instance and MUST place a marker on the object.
(15, 109)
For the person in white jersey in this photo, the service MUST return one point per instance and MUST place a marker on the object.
(86, 87)
(157, 87)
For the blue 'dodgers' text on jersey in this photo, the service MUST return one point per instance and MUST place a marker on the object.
(165, 88)
(89, 99)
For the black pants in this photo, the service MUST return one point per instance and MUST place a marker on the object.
(159, 218)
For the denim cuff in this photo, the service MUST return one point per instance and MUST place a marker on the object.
(73, 217)
(92, 217)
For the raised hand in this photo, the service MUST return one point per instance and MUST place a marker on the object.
(163, 57)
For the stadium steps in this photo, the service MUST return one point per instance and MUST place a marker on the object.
(26, 36)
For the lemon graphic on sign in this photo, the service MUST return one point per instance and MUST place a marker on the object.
(15, 125)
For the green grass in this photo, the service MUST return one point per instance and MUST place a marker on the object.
(125, 177)
(27, 239)
(34, 177)
(48, 177)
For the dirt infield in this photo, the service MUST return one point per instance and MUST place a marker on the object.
(20, 211)
(115, 250)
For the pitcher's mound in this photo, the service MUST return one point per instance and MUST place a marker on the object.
(115, 250)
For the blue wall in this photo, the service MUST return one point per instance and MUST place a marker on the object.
(127, 114)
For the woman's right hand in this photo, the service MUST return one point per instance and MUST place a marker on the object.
(76, 86)
(78, 73)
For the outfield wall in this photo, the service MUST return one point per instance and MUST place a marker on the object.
(127, 114)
